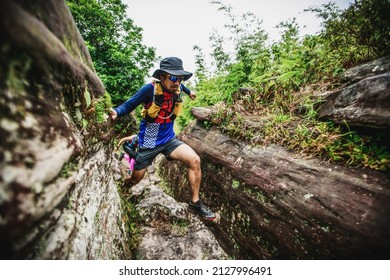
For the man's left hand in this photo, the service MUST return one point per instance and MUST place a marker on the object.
(192, 95)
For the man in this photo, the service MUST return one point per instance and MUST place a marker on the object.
(162, 103)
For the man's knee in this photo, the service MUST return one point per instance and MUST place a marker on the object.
(195, 161)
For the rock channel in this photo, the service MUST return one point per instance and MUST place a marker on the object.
(169, 231)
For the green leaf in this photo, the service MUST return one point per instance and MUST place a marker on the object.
(85, 123)
(78, 114)
(87, 97)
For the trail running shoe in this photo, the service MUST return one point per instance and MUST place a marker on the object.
(201, 209)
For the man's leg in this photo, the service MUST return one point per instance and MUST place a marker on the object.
(135, 177)
(144, 158)
(187, 155)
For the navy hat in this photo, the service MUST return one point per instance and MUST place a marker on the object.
(173, 66)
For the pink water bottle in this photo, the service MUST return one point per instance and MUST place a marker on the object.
(130, 161)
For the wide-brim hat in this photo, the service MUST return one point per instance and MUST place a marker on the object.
(172, 66)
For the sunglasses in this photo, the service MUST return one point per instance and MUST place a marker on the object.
(175, 78)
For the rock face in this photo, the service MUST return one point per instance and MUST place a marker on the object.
(364, 103)
(58, 198)
(275, 205)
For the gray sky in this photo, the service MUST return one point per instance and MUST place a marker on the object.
(173, 27)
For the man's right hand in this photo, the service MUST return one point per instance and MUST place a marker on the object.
(113, 114)
(128, 138)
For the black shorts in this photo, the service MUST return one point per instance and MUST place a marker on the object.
(146, 156)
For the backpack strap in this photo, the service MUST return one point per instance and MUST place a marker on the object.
(152, 110)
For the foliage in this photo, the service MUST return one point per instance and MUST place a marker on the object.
(201, 72)
(286, 75)
(132, 220)
(115, 44)
(361, 32)
(248, 38)
(101, 108)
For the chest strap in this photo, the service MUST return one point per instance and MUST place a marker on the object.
(152, 111)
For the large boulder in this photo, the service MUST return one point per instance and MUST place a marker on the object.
(368, 69)
(58, 198)
(364, 103)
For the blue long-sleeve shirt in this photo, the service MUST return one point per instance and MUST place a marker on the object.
(150, 134)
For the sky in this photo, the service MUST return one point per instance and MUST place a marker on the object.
(173, 27)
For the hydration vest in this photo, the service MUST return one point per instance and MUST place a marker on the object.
(154, 111)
